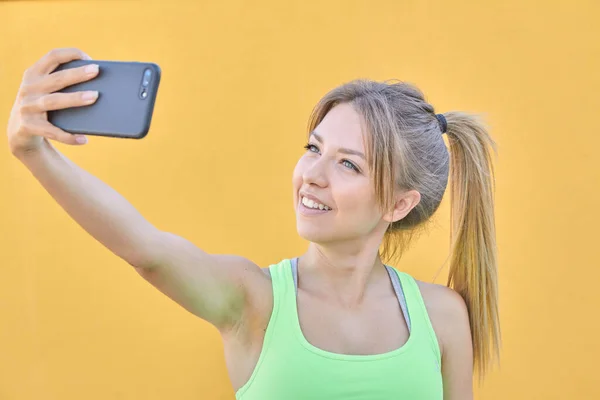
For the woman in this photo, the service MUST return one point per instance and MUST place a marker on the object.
(336, 322)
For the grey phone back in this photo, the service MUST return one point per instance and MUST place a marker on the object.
(122, 109)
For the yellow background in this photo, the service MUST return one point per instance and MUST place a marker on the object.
(239, 81)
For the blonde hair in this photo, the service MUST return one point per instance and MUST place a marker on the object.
(406, 151)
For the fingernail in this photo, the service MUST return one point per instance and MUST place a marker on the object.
(81, 139)
(91, 69)
(89, 97)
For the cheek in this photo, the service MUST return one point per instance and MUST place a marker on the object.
(357, 200)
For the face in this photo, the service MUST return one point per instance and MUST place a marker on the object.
(333, 176)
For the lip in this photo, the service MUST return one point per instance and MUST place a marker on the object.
(305, 211)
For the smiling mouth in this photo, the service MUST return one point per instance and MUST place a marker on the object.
(309, 203)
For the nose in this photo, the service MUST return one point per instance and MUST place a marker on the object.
(316, 173)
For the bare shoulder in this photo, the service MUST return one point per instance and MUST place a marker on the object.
(256, 283)
(441, 298)
(447, 311)
(252, 278)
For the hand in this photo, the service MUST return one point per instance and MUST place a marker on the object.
(28, 125)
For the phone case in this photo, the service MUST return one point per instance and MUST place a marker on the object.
(121, 110)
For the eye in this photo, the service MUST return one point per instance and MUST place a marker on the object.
(311, 147)
(350, 165)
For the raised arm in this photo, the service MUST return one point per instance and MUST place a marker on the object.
(217, 288)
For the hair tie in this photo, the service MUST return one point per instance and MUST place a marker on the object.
(443, 123)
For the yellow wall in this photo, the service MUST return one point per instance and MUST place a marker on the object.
(239, 80)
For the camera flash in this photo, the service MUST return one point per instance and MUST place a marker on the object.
(144, 94)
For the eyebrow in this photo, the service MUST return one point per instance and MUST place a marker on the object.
(341, 149)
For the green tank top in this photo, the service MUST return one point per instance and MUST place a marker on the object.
(291, 368)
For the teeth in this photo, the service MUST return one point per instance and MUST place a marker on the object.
(311, 204)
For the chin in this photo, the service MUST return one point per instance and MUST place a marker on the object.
(312, 232)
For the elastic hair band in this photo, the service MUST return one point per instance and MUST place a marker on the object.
(443, 123)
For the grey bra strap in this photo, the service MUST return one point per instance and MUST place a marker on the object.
(399, 294)
(295, 272)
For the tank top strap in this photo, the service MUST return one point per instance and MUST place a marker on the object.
(417, 311)
(279, 327)
(284, 290)
(281, 279)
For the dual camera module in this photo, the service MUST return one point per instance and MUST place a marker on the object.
(145, 82)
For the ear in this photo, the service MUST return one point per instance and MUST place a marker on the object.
(405, 202)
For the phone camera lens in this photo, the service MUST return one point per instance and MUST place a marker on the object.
(147, 75)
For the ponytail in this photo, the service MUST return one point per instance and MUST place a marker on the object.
(473, 261)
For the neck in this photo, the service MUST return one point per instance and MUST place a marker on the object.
(343, 272)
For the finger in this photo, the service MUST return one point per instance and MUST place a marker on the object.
(61, 79)
(49, 131)
(58, 101)
(55, 57)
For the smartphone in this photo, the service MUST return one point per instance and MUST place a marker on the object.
(126, 96)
